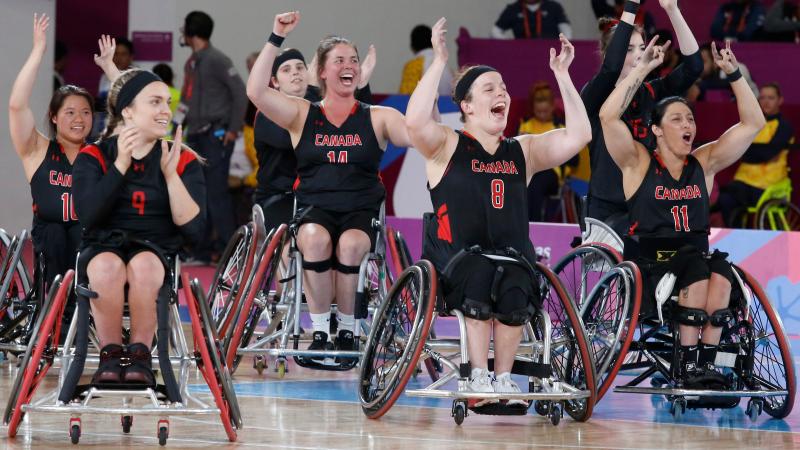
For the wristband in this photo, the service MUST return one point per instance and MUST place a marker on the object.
(631, 7)
(276, 40)
(734, 76)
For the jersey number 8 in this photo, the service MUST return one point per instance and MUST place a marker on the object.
(498, 193)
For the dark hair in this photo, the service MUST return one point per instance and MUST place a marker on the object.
(122, 40)
(164, 71)
(325, 47)
(421, 38)
(198, 23)
(60, 95)
(661, 108)
(774, 85)
(608, 27)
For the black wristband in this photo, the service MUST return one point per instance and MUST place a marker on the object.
(734, 76)
(631, 7)
(276, 40)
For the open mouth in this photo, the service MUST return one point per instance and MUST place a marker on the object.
(499, 110)
(347, 79)
(77, 128)
(162, 122)
(687, 138)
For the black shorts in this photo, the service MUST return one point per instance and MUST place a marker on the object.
(278, 209)
(336, 223)
(118, 244)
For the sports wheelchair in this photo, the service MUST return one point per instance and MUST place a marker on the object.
(163, 400)
(553, 353)
(273, 294)
(19, 301)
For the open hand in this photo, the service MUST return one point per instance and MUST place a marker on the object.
(171, 155)
(40, 24)
(367, 66)
(107, 46)
(439, 39)
(126, 142)
(562, 62)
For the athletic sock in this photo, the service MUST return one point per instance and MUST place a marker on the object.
(708, 355)
(321, 322)
(346, 321)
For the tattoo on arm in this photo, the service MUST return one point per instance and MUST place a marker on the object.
(629, 95)
(685, 293)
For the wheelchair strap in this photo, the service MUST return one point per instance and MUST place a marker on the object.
(748, 296)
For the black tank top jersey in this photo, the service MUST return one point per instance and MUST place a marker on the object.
(51, 187)
(141, 206)
(666, 207)
(277, 163)
(337, 168)
(482, 198)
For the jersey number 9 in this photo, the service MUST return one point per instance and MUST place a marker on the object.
(137, 201)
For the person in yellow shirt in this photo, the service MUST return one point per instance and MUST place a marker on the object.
(423, 55)
(764, 164)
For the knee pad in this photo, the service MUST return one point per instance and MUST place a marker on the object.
(514, 295)
(476, 309)
(318, 266)
(348, 270)
(689, 316)
(720, 317)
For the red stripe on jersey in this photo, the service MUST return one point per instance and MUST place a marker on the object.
(650, 88)
(185, 159)
(94, 151)
(296, 184)
(443, 219)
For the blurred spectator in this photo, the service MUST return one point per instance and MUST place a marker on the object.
(672, 58)
(713, 85)
(613, 9)
(244, 162)
(738, 20)
(164, 71)
(542, 118)
(213, 103)
(782, 22)
(123, 59)
(765, 162)
(423, 55)
(59, 64)
(530, 19)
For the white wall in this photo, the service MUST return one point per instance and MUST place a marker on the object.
(16, 21)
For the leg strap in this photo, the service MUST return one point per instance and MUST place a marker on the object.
(348, 270)
(690, 316)
(318, 266)
(720, 317)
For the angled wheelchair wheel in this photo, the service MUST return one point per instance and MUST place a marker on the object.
(232, 271)
(772, 365)
(778, 214)
(40, 352)
(582, 268)
(570, 356)
(18, 307)
(210, 361)
(400, 329)
(610, 315)
(248, 314)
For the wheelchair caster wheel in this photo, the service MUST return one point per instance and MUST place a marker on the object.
(280, 368)
(754, 408)
(677, 408)
(127, 422)
(657, 381)
(542, 407)
(259, 363)
(163, 432)
(555, 414)
(459, 412)
(75, 430)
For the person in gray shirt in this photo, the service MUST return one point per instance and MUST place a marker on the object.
(213, 102)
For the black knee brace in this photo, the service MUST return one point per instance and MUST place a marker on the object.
(318, 266)
(720, 317)
(514, 295)
(475, 309)
(689, 316)
(348, 270)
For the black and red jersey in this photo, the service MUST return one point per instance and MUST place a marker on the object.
(338, 167)
(136, 202)
(664, 207)
(277, 163)
(482, 199)
(51, 187)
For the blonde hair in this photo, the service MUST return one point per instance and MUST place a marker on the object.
(325, 47)
(114, 116)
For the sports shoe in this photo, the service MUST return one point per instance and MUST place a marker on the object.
(140, 370)
(480, 381)
(504, 384)
(109, 370)
(320, 342)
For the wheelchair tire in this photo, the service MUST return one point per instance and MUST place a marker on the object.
(791, 214)
(248, 314)
(582, 267)
(210, 363)
(570, 355)
(36, 363)
(408, 309)
(773, 367)
(232, 272)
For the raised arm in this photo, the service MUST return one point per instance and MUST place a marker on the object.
(105, 60)
(684, 35)
(682, 77)
(280, 108)
(548, 150)
(428, 136)
(619, 141)
(28, 143)
(716, 156)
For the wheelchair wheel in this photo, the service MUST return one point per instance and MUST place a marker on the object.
(569, 354)
(582, 268)
(232, 271)
(246, 318)
(396, 340)
(778, 214)
(18, 306)
(773, 367)
(210, 362)
(610, 315)
(40, 352)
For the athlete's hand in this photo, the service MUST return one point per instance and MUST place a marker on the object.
(561, 63)
(653, 55)
(725, 59)
(439, 39)
(367, 66)
(285, 23)
(126, 142)
(668, 5)
(107, 46)
(171, 155)
(40, 24)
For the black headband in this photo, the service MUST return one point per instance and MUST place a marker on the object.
(132, 88)
(286, 55)
(462, 88)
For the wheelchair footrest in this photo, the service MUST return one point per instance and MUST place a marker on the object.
(528, 369)
(713, 403)
(697, 392)
(501, 409)
(338, 366)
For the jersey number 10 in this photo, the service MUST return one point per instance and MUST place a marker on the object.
(67, 208)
